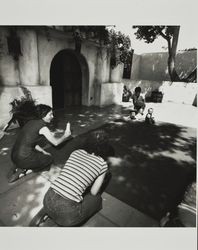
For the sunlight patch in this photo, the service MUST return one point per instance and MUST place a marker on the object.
(117, 116)
(3, 151)
(121, 178)
(118, 138)
(115, 161)
(15, 216)
(117, 123)
(165, 137)
(30, 197)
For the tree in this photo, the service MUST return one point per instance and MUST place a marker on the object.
(171, 35)
(119, 47)
(118, 44)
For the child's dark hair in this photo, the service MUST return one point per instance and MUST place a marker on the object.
(138, 89)
(97, 142)
(42, 110)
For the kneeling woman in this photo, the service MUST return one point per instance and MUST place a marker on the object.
(26, 153)
(74, 196)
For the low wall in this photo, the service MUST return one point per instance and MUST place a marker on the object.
(42, 94)
(111, 93)
(177, 92)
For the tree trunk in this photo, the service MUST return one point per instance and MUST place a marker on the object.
(172, 48)
(171, 69)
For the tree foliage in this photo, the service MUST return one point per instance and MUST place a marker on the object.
(23, 109)
(119, 46)
(150, 33)
(117, 43)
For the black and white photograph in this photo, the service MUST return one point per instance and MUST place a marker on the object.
(98, 126)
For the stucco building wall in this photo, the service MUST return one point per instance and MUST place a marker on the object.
(32, 69)
(9, 74)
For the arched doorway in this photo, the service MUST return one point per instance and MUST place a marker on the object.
(66, 78)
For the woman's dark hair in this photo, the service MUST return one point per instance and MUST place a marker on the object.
(42, 110)
(97, 142)
(138, 89)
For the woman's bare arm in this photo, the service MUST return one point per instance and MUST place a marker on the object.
(38, 148)
(97, 184)
(51, 137)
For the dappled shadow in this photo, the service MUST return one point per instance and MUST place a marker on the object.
(20, 204)
(140, 137)
(152, 165)
(82, 118)
(151, 185)
(21, 200)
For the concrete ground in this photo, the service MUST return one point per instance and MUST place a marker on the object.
(20, 201)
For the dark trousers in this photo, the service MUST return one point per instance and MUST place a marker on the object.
(137, 107)
(36, 162)
(66, 212)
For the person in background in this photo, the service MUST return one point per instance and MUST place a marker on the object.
(149, 119)
(126, 94)
(26, 154)
(138, 101)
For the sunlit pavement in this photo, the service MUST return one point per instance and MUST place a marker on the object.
(20, 201)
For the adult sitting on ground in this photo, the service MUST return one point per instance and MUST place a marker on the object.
(126, 95)
(75, 195)
(26, 153)
(138, 102)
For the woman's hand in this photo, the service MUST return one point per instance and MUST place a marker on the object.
(67, 132)
(41, 150)
(52, 138)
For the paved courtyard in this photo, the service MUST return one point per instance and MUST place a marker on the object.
(20, 201)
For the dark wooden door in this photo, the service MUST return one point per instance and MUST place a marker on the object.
(72, 81)
(66, 81)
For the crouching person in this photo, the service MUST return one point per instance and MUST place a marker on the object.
(75, 195)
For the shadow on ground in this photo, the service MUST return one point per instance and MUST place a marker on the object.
(152, 166)
(20, 204)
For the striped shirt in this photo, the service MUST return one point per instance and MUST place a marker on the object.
(79, 172)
